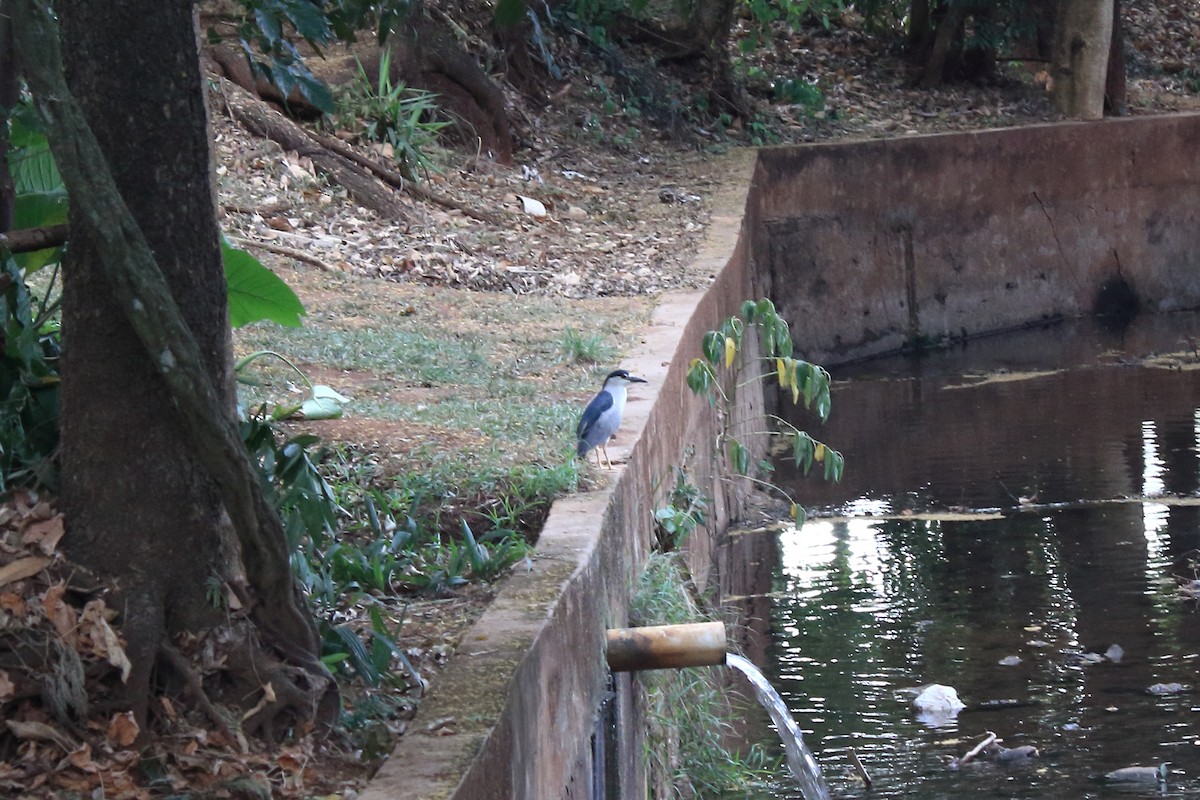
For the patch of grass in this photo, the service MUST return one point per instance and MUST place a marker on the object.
(581, 348)
(424, 359)
(691, 719)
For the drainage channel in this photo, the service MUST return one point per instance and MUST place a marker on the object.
(1019, 520)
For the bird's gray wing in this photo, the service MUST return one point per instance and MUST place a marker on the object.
(600, 403)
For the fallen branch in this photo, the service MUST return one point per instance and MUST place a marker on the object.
(282, 250)
(395, 179)
(979, 748)
(860, 769)
(270, 208)
(262, 120)
(29, 240)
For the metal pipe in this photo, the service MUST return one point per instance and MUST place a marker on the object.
(697, 644)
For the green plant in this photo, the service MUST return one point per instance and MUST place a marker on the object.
(718, 376)
(691, 720)
(322, 402)
(579, 348)
(683, 513)
(764, 14)
(29, 384)
(393, 114)
(799, 93)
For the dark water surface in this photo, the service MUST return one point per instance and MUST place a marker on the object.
(1031, 499)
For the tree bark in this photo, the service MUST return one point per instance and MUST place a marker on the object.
(1114, 85)
(1083, 35)
(9, 92)
(154, 474)
(947, 31)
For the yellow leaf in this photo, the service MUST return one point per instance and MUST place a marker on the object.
(794, 511)
(795, 392)
(781, 368)
(730, 351)
(819, 453)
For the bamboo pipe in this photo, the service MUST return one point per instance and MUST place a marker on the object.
(697, 644)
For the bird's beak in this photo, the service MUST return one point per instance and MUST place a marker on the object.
(632, 379)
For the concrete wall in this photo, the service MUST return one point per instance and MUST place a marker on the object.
(862, 246)
(868, 245)
(525, 688)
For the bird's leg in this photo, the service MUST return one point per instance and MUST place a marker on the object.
(607, 460)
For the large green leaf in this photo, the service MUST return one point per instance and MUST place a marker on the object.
(41, 197)
(256, 293)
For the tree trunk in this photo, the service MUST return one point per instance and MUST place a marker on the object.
(920, 30)
(9, 91)
(153, 473)
(1114, 86)
(1083, 34)
(948, 31)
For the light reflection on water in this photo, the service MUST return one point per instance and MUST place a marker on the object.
(865, 608)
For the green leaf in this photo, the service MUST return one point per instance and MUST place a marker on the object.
(256, 293)
(269, 24)
(509, 12)
(700, 377)
(325, 403)
(315, 91)
(739, 456)
(309, 19)
(713, 346)
(37, 209)
(803, 450)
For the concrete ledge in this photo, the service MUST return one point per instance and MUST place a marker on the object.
(524, 687)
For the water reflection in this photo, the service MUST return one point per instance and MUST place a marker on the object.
(1095, 472)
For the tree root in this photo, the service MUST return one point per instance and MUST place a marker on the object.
(195, 689)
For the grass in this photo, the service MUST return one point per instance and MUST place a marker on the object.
(580, 348)
(473, 398)
(688, 746)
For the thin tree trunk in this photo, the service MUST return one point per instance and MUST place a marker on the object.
(947, 31)
(9, 88)
(1083, 37)
(1114, 84)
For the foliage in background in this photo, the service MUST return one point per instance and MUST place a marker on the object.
(266, 27)
(392, 114)
(719, 375)
(29, 381)
(690, 716)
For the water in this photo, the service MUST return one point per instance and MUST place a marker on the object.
(800, 759)
(1011, 509)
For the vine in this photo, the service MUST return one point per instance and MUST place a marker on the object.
(718, 375)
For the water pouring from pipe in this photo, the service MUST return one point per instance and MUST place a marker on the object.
(801, 761)
(704, 644)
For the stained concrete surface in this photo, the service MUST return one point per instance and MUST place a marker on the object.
(872, 245)
(863, 247)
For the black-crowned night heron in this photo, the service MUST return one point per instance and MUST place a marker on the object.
(602, 416)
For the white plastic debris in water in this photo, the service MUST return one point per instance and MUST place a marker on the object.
(1115, 653)
(937, 705)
